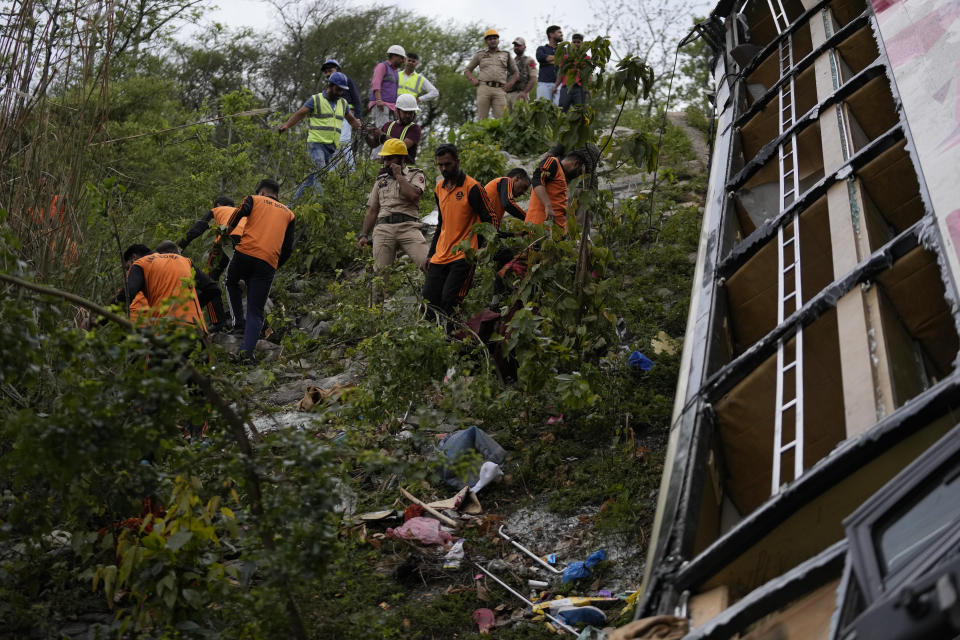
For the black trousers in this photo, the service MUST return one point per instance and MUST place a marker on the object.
(446, 285)
(259, 277)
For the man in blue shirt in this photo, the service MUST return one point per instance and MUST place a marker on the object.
(547, 76)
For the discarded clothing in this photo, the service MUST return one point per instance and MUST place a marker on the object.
(461, 442)
(578, 570)
(423, 530)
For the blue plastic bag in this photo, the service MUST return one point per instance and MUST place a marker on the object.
(640, 362)
(578, 570)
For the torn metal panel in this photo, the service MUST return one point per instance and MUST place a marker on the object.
(775, 594)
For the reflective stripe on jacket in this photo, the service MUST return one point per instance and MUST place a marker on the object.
(325, 121)
(411, 85)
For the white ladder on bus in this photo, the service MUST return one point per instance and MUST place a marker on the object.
(789, 398)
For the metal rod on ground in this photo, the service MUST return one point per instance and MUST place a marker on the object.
(563, 625)
(539, 560)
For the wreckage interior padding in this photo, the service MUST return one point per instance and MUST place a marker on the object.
(813, 525)
(752, 290)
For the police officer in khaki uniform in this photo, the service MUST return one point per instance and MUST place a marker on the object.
(393, 205)
(497, 73)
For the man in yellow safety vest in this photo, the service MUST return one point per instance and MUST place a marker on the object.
(413, 83)
(327, 112)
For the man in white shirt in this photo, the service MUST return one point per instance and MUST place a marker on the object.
(413, 83)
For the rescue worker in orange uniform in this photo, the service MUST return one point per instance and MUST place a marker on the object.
(502, 191)
(265, 246)
(549, 200)
(166, 280)
(223, 208)
(133, 253)
(461, 203)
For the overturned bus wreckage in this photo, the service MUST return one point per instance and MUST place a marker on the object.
(812, 482)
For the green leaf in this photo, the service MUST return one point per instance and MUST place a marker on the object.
(178, 539)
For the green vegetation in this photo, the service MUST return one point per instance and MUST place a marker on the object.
(109, 513)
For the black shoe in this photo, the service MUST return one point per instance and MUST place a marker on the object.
(244, 359)
(237, 331)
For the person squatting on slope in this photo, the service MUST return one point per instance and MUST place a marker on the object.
(393, 206)
(166, 280)
(461, 202)
(327, 112)
(501, 192)
(170, 284)
(266, 245)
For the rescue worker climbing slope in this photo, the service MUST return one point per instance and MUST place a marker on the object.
(223, 208)
(327, 112)
(266, 245)
(461, 202)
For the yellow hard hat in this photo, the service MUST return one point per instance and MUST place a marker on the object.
(393, 147)
(490, 32)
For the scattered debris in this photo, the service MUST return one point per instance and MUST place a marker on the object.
(472, 439)
(465, 502)
(424, 530)
(315, 396)
(655, 628)
(519, 595)
(665, 344)
(490, 472)
(582, 615)
(436, 514)
(455, 556)
(578, 570)
(640, 362)
(484, 619)
(543, 563)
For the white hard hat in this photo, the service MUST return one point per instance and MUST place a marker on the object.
(407, 102)
(396, 49)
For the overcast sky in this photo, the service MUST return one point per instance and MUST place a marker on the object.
(511, 18)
